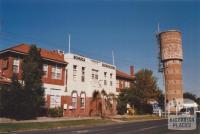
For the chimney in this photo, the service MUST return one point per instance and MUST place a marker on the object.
(132, 71)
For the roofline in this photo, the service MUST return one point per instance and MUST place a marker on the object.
(130, 78)
(93, 59)
(127, 77)
(12, 47)
(171, 30)
(8, 50)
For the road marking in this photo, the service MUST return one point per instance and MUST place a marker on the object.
(81, 131)
(147, 128)
(86, 131)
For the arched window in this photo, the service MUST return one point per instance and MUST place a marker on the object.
(82, 100)
(74, 100)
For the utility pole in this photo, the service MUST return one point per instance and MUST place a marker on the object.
(158, 28)
(113, 58)
(69, 43)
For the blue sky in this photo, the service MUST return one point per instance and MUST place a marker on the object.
(98, 27)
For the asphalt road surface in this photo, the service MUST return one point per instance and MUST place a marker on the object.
(148, 127)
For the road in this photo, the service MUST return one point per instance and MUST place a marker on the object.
(148, 127)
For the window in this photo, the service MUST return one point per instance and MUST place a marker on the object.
(45, 70)
(83, 74)
(74, 71)
(66, 79)
(56, 72)
(105, 82)
(111, 75)
(121, 84)
(105, 73)
(5, 63)
(16, 65)
(74, 100)
(111, 83)
(127, 84)
(55, 101)
(117, 83)
(94, 74)
(55, 98)
(82, 100)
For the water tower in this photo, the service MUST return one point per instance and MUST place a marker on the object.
(170, 64)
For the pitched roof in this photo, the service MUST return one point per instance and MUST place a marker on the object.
(122, 74)
(46, 54)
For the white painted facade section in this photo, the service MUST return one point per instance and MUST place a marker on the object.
(48, 89)
(55, 92)
(96, 75)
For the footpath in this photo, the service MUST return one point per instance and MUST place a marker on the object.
(46, 119)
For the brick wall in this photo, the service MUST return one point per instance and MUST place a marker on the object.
(9, 70)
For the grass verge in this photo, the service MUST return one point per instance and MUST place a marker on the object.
(11, 127)
(140, 118)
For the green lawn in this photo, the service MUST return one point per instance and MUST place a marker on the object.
(10, 127)
(140, 118)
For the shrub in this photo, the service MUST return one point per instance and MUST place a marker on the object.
(148, 109)
(55, 112)
(121, 108)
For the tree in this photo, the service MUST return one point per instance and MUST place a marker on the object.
(144, 89)
(12, 98)
(193, 97)
(198, 100)
(32, 68)
(23, 101)
(146, 85)
(190, 96)
(161, 101)
(122, 101)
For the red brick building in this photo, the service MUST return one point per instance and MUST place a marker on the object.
(124, 80)
(53, 66)
(61, 87)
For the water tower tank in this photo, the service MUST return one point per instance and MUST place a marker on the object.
(171, 55)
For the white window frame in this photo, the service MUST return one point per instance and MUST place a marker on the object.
(95, 75)
(74, 100)
(74, 72)
(16, 62)
(55, 98)
(56, 72)
(105, 82)
(105, 75)
(82, 100)
(83, 75)
(111, 83)
(45, 70)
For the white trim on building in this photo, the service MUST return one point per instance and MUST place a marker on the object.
(93, 75)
